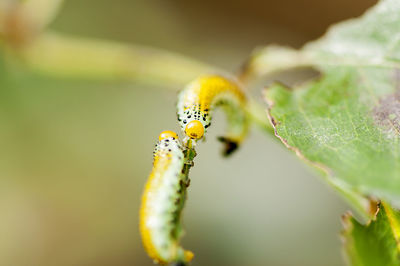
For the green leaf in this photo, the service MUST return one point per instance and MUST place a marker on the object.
(347, 122)
(372, 40)
(375, 243)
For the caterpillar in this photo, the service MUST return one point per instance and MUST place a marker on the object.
(199, 98)
(162, 202)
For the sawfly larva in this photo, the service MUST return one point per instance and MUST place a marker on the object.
(162, 202)
(197, 101)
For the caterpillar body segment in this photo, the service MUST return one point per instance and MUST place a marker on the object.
(162, 202)
(198, 100)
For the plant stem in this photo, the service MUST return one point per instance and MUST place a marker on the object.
(257, 114)
(189, 154)
(69, 57)
(272, 59)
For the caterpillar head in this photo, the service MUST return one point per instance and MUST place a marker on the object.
(194, 129)
(167, 141)
(167, 134)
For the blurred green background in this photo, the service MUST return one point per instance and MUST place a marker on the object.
(75, 154)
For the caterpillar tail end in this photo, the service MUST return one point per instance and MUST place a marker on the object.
(230, 146)
(188, 255)
(187, 258)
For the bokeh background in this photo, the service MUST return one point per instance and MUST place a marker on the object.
(75, 154)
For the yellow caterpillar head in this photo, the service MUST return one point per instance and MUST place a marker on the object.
(167, 134)
(194, 129)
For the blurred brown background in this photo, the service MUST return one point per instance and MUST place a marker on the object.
(75, 154)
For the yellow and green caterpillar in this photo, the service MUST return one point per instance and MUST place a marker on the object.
(162, 202)
(197, 101)
(165, 192)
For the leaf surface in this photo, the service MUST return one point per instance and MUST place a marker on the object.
(375, 243)
(347, 122)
